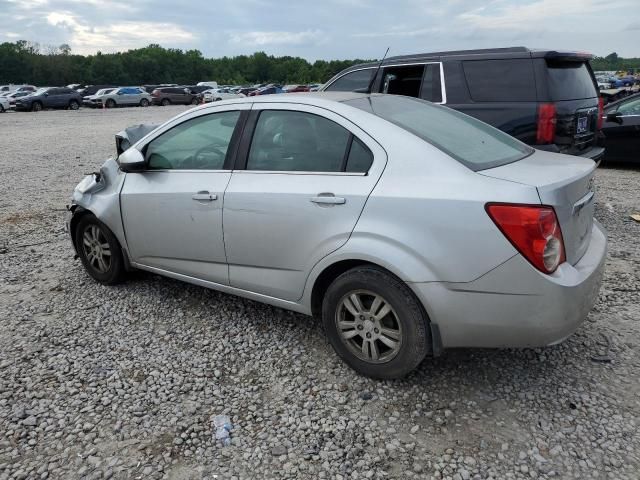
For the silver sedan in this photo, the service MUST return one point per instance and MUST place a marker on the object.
(405, 226)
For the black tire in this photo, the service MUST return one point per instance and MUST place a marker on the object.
(2, 109)
(74, 105)
(165, 102)
(194, 101)
(414, 336)
(144, 102)
(115, 271)
(111, 103)
(36, 107)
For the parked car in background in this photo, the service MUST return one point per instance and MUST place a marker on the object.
(314, 87)
(268, 90)
(4, 104)
(125, 97)
(208, 84)
(94, 101)
(50, 97)
(621, 130)
(545, 98)
(295, 88)
(368, 202)
(173, 95)
(93, 89)
(13, 87)
(198, 89)
(216, 94)
(13, 97)
(246, 90)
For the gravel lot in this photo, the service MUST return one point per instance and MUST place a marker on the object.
(122, 382)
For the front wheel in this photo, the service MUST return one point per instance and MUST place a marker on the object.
(36, 107)
(375, 323)
(194, 101)
(74, 105)
(144, 102)
(110, 103)
(99, 250)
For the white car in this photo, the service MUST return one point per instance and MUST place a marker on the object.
(216, 94)
(4, 104)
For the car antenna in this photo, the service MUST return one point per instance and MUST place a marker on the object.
(373, 78)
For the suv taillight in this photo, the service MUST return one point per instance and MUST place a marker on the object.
(600, 112)
(546, 123)
(533, 230)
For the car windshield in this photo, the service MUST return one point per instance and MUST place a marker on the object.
(471, 142)
(40, 91)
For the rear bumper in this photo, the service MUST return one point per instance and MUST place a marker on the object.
(515, 305)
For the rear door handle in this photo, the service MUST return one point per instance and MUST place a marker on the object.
(329, 200)
(204, 196)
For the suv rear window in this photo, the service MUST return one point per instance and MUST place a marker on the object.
(570, 81)
(500, 80)
(483, 146)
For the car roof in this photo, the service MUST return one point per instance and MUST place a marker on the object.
(478, 54)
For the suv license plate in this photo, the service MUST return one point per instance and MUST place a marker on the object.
(583, 124)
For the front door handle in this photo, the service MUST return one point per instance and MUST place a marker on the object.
(329, 200)
(204, 196)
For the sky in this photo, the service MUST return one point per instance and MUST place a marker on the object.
(325, 29)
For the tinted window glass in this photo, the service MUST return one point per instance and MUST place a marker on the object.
(500, 80)
(199, 143)
(297, 141)
(632, 107)
(470, 141)
(431, 84)
(360, 157)
(570, 81)
(352, 81)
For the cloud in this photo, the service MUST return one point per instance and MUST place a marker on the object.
(277, 38)
(118, 36)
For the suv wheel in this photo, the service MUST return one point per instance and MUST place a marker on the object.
(165, 102)
(36, 107)
(194, 101)
(375, 323)
(144, 102)
(74, 105)
(1, 108)
(110, 103)
(99, 250)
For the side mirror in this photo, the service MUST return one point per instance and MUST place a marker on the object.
(131, 160)
(46, 94)
(614, 117)
(120, 93)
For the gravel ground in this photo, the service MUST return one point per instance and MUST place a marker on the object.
(122, 382)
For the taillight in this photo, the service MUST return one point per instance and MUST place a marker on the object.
(533, 230)
(600, 112)
(546, 123)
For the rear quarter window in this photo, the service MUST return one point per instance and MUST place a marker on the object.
(500, 80)
(352, 81)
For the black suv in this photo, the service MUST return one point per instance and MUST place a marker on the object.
(545, 98)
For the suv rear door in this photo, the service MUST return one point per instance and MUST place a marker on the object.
(567, 84)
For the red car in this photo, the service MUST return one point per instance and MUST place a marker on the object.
(297, 88)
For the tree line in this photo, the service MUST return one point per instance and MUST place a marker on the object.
(614, 62)
(28, 62)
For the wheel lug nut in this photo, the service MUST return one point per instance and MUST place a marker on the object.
(360, 327)
(376, 330)
(361, 317)
(369, 335)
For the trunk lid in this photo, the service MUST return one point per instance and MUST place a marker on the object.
(563, 182)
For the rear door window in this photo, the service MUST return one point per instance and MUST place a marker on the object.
(570, 81)
(509, 80)
(358, 80)
(403, 80)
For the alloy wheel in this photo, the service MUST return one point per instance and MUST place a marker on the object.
(96, 248)
(369, 326)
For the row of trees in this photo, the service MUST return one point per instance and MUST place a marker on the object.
(614, 62)
(26, 62)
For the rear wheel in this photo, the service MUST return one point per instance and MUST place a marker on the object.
(36, 107)
(111, 103)
(375, 323)
(74, 105)
(99, 250)
(194, 101)
(165, 102)
(144, 102)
